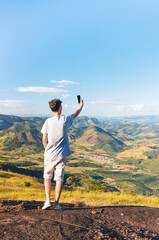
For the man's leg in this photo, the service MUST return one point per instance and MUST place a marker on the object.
(59, 178)
(58, 189)
(47, 183)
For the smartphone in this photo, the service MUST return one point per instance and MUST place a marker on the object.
(79, 98)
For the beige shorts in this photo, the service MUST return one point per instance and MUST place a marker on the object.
(56, 166)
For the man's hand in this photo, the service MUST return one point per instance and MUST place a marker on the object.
(78, 110)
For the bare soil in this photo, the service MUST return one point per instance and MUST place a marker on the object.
(26, 220)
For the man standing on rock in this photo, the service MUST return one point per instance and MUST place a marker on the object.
(56, 144)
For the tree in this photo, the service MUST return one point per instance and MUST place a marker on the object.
(73, 181)
(90, 184)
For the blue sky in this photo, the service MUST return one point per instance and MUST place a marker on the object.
(107, 51)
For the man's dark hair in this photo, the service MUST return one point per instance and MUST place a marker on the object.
(55, 104)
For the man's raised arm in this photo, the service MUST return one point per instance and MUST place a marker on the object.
(78, 110)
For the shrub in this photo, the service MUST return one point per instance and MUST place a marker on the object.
(73, 181)
(90, 184)
(26, 184)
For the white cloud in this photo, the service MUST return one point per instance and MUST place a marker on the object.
(100, 102)
(65, 95)
(11, 103)
(135, 107)
(40, 90)
(62, 83)
(66, 106)
(121, 108)
(106, 101)
(138, 107)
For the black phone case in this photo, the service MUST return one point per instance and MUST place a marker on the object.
(79, 98)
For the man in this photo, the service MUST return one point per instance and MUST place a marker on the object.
(56, 144)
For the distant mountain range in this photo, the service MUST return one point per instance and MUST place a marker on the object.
(16, 131)
(149, 119)
(6, 121)
(88, 132)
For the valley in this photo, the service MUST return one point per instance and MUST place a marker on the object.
(123, 155)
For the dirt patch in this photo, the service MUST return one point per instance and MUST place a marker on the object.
(26, 220)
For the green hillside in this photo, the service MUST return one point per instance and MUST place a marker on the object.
(84, 132)
(95, 137)
(21, 133)
(123, 155)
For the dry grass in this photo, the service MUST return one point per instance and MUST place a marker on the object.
(109, 198)
(136, 152)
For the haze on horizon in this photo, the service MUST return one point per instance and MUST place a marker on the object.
(107, 51)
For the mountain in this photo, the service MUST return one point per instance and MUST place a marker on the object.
(6, 121)
(20, 133)
(16, 131)
(83, 122)
(146, 120)
(95, 137)
(85, 131)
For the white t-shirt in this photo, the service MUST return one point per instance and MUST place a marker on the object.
(57, 129)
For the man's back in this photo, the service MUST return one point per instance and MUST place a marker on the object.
(57, 129)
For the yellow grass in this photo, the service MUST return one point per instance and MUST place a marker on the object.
(11, 188)
(136, 152)
(109, 198)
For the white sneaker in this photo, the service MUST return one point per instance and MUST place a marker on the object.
(47, 204)
(57, 206)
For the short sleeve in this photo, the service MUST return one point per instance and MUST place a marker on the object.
(44, 129)
(69, 120)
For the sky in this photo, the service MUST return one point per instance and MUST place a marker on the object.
(106, 51)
